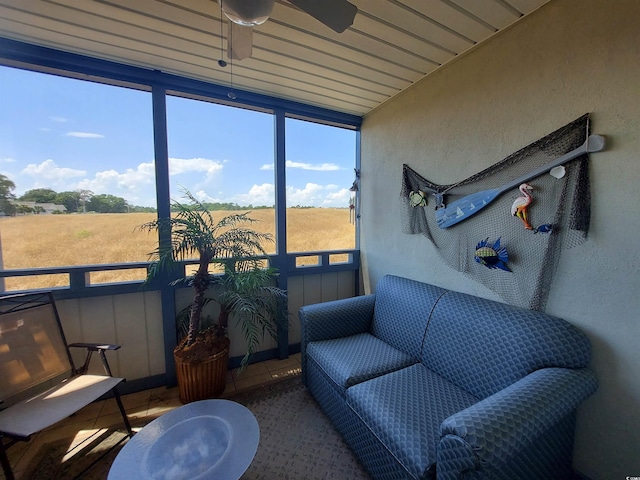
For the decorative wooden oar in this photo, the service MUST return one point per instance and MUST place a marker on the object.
(463, 208)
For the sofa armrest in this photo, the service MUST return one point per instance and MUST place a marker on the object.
(336, 319)
(497, 430)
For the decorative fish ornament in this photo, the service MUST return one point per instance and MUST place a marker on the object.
(545, 228)
(493, 256)
(418, 199)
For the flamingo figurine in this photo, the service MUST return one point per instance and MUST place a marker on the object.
(521, 205)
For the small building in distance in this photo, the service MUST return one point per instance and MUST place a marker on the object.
(24, 208)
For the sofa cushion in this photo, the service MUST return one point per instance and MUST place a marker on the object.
(484, 346)
(405, 408)
(350, 360)
(402, 310)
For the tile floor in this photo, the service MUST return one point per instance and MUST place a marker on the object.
(141, 407)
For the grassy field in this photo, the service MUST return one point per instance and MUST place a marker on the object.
(60, 240)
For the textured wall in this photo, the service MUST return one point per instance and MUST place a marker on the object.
(569, 58)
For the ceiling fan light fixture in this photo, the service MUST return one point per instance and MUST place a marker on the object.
(247, 12)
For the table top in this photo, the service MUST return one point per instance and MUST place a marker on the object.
(200, 440)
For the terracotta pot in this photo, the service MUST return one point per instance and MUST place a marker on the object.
(203, 379)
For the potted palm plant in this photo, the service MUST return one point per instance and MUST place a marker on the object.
(243, 291)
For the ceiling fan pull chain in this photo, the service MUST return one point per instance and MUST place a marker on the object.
(222, 63)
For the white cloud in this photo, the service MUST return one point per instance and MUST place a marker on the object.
(117, 183)
(205, 197)
(315, 195)
(318, 167)
(339, 199)
(7, 160)
(318, 196)
(58, 119)
(136, 184)
(84, 135)
(179, 166)
(258, 195)
(49, 174)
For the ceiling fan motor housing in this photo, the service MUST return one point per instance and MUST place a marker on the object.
(247, 12)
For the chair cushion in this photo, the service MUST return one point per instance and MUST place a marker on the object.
(31, 416)
(405, 408)
(349, 360)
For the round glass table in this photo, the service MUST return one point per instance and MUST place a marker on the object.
(200, 440)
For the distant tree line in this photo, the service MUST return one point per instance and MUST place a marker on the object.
(73, 201)
(230, 206)
(84, 201)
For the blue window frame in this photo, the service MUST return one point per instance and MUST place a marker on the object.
(161, 85)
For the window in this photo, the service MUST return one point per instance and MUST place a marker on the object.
(76, 160)
(77, 175)
(320, 164)
(224, 156)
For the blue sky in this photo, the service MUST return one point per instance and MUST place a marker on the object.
(67, 134)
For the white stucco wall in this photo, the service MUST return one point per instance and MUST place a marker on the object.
(568, 58)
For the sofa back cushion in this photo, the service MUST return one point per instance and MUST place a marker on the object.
(401, 312)
(483, 346)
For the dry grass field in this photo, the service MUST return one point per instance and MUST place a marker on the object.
(35, 241)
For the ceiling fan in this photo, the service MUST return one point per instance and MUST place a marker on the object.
(245, 14)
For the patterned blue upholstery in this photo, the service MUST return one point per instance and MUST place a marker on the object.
(340, 318)
(350, 360)
(402, 312)
(373, 454)
(493, 396)
(522, 415)
(336, 319)
(483, 346)
(404, 409)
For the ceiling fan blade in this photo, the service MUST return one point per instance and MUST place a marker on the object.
(239, 41)
(338, 15)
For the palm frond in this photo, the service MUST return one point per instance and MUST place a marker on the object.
(257, 307)
(244, 288)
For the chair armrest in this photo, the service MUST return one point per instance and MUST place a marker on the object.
(95, 346)
(336, 319)
(502, 427)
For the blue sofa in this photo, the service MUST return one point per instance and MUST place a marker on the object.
(428, 383)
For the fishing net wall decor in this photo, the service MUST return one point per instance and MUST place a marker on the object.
(561, 205)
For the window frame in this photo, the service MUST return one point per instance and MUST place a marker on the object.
(25, 56)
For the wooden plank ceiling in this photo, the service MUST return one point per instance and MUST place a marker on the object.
(391, 45)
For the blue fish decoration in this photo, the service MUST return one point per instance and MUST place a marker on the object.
(546, 228)
(493, 256)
